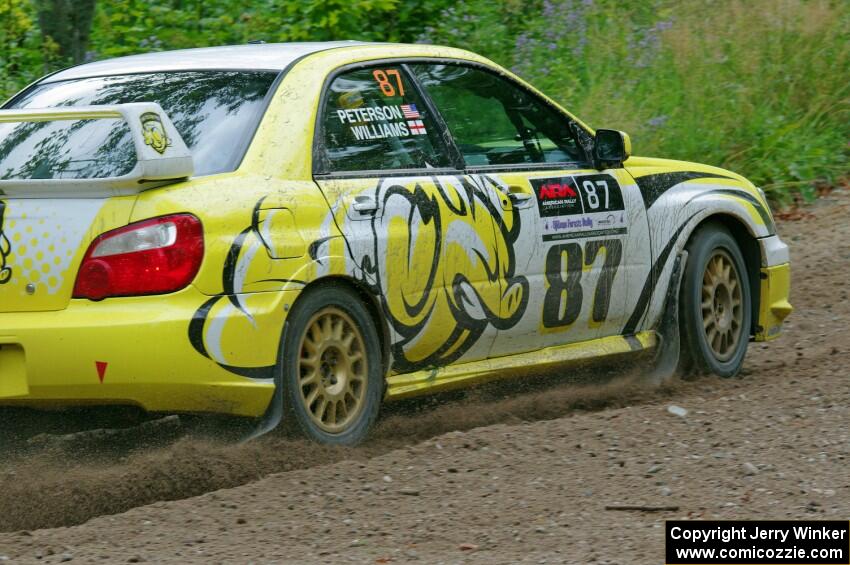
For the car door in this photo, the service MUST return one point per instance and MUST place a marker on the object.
(416, 229)
(577, 236)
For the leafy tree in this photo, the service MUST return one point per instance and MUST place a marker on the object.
(17, 49)
(67, 23)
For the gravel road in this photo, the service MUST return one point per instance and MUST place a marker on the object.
(481, 479)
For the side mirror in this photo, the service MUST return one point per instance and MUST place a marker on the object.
(611, 148)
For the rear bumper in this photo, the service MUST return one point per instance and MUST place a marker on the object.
(140, 351)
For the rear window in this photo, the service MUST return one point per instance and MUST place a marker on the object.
(66, 149)
(216, 113)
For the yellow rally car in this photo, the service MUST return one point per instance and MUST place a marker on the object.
(301, 231)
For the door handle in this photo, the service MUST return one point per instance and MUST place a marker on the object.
(365, 204)
(519, 197)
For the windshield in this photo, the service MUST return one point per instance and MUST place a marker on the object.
(215, 112)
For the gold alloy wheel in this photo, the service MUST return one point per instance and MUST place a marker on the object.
(722, 305)
(332, 370)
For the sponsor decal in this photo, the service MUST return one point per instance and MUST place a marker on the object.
(584, 234)
(611, 220)
(154, 132)
(555, 190)
(557, 197)
(580, 206)
(558, 224)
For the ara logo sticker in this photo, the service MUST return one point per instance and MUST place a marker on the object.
(5, 249)
(557, 190)
(154, 132)
(557, 197)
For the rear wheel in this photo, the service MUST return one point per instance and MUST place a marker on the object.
(331, 363)
(716, 304)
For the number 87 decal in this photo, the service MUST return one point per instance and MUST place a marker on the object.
(564, 296)
(382, 77)
(592, 196)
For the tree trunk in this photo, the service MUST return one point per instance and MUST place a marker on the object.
(68, 23)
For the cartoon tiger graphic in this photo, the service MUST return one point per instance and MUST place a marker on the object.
(442, 258)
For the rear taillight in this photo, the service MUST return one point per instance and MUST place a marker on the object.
(149, 257)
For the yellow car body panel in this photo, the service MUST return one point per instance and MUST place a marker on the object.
(774, 306)
(147, 359)
(513, 366)
(270, 231)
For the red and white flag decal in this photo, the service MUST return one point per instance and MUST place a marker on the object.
(416, 127)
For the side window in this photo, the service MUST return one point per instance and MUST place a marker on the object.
(374, 119)
(494, 121)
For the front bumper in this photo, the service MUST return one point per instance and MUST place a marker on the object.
(773, 304)
(138, 351)
(775, 288)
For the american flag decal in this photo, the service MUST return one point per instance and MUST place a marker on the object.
(416, 127)
(410, 112)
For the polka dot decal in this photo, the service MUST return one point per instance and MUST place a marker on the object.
(44, 236)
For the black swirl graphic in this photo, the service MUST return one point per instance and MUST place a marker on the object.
(469, 197)
(5, 248)
(201, 318)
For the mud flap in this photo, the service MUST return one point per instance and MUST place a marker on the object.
(667, 355)
(274, 413)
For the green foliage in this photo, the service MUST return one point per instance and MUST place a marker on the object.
(20, 45)
(130, 26)
(757, 86)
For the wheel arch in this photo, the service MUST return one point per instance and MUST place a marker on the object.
(369, 299)
(743, 235)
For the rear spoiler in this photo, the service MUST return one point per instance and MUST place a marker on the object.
(161, 154)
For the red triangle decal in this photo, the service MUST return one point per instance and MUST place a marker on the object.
(101, 369)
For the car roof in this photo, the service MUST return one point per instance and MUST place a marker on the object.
(264, 56)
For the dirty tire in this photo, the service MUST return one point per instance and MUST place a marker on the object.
(716, 312)
(331, 364)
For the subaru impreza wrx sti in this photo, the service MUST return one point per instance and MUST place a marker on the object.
(302, 231)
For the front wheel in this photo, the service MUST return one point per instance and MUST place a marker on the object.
(331, 363)
(716, 304)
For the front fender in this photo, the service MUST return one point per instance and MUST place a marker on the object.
(678, 197)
